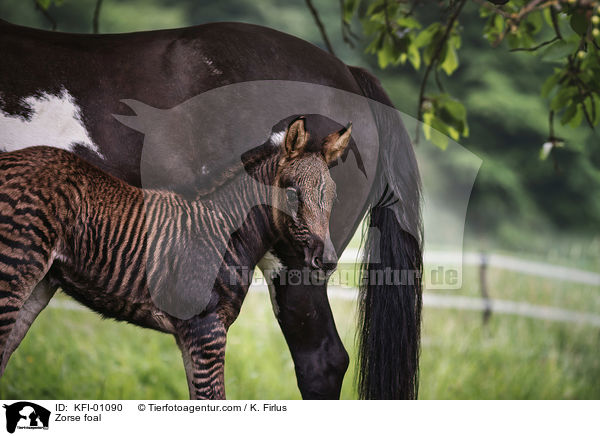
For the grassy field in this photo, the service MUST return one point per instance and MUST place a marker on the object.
(74, 354)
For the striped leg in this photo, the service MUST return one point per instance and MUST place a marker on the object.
(202, 343)
(17, 283)
(27, 239)
(36, 302)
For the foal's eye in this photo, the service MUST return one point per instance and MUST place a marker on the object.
(291, 195)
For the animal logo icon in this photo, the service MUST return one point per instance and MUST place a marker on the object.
(24, 414)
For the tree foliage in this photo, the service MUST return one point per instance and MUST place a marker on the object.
(515, 196)
(427, 35)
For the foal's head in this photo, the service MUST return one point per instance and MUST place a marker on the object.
(307, 192)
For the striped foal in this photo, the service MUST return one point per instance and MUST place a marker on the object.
(153, 258)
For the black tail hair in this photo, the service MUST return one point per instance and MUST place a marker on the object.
(390, 297)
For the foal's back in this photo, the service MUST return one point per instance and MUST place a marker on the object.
(67, 221)
(47, 194)
(43, 191)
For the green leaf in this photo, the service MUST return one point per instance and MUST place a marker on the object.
(408, 22)
(592, 105)
(385, 56)
(456, 108)
(349, 8)
(376, 44)
(579, 23)
(521, 39)
(445, 118)
(425, 37)
(493, 28)
(562, 98)
(453, 133)
(438, 138)
(44, 4)
(427, 118)
(450, 63)
(455, 40)
(550, 83)
(399, 48)
(569, 113)
(414, 56)
(498, 24)
(578, 118)
(548, 17)
(375, 8)
(534, 22)
(428, 53)
(558, 50)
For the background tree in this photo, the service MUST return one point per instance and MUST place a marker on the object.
(564, 33)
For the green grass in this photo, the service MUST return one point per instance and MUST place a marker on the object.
(76, 355)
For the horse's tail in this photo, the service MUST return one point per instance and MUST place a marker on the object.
(390, 297)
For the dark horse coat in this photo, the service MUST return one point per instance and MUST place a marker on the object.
(86, 76)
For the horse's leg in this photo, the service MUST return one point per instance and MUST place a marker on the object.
(36, 302)
(320, 359)
(305, 318)
(202, 343)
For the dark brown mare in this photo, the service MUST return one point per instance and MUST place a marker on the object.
(81, 79)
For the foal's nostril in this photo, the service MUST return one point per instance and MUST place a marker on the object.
(317, 262)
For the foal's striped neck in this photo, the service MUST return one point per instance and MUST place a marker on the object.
(239, 211)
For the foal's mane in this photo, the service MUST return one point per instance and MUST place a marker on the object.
(319, 128)
(249, 162)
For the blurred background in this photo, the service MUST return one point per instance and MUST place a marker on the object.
(526, 322)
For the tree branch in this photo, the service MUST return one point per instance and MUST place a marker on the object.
(320, 25)
(514, 19)
(347, 34)
(388, 25)
(438, 81)
(413, 5)
(46, 14)
(537, 47)
(96, 18)
(588, 118)
(435, 59)
(554, 16)
(494, 9)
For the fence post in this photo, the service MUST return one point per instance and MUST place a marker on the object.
(487, 304)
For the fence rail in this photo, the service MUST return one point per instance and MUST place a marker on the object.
(499, 261)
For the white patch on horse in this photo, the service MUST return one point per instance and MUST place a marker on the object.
(277, 137)
(271, 265)
(213, 70)
(55, 121)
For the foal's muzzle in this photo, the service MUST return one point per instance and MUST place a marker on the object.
(319, 255)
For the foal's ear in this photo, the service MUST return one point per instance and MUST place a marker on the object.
(296, 138)
(335, 144)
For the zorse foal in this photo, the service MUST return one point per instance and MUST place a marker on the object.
(141, 256)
